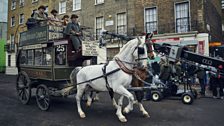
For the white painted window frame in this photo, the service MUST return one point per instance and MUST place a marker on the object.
(157, 18)
(189, 13)
(74, 7)
(126, 23)
(60, 6)
(97, 3)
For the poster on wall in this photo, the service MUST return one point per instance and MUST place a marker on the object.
(201, 47)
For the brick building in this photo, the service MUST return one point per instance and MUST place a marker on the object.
(18, 13)
(130, 17)
(179, 16)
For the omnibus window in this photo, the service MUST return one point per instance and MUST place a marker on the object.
(30, 57)
(47, 59)
(38, 57)
(60, 55)
(23, 57)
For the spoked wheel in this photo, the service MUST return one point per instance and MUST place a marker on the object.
(43, 97)
(23, 87)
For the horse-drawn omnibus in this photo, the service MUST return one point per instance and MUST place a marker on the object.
(45, 60)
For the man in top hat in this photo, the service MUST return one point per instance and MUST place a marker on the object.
(53, 19)
(74, 31)
(40, 15)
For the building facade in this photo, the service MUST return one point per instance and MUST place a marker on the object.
(3, 33)
(18, 13)
(128, 17)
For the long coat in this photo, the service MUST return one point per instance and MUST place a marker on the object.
(76, 40)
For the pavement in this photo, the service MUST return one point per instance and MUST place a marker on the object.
(63, 111)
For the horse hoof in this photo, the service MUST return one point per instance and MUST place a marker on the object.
(126, 110)
(82, 115)
(146, 115)
(88, 104)
(123, 119)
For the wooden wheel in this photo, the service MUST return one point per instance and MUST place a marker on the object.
(43, 97)
(23, 87)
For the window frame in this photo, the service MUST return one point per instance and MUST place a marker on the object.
(21, 3)
(60, 7)
(73, 5)
(13, 22)
(21, 18)
(189, 16)
(96, 28)
(97, 3)
(12, 42)
(34, 1)
(125, 21)
(13, 5)
(153, 21)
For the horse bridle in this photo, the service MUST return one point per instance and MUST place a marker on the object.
(141, 50)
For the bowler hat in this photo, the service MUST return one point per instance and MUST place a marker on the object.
(42, 7)
(74, 16)
(54, 11)
(65, 16)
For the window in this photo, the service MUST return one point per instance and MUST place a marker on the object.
(99, 1)
(222, 4)
(12, 42)
(99, 26)
(150, 20)
(21, 3)
(182, 17)
(76, 4)
(33, 1)
(60, 55)
(121, 23)
(21, 19)
(47, 56)
(23, 57)
(30, 57)
(13, 5)
(62, 7)
(38, 57)
(13, 21)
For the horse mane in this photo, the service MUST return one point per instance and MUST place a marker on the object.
(128, 44)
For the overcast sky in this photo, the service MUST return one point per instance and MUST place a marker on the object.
(3, 10)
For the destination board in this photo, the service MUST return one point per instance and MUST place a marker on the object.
(90, 48)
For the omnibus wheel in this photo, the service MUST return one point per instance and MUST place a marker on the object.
(43, 97)
(187, 98)
(23, 87)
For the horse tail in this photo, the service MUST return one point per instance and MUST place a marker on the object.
(74, 74)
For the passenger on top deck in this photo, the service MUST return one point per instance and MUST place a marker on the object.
(74, 31)
(40, 16)
(53, 19)
(65, 20)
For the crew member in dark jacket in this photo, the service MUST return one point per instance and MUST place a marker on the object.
(201, 77)
(74, 31)
(217, 82)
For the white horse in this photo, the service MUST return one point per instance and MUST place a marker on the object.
(127, 57)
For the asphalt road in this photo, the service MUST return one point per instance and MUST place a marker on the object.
(63, 112)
